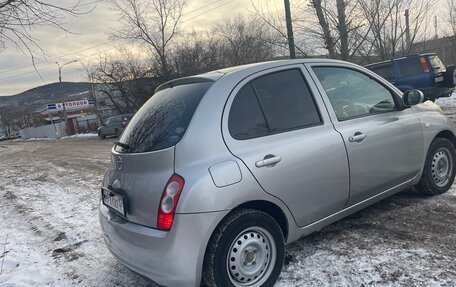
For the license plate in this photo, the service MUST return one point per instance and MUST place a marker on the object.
(113, 200)
(438, 79)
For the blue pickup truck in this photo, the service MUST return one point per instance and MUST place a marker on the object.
(424, 72)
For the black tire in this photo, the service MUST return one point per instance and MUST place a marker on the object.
(450, 76)
(101, 135)
(245, 225)
(435, 180)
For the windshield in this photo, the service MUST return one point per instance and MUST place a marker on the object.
(162, 120)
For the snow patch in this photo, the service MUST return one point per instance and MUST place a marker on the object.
(88, 135)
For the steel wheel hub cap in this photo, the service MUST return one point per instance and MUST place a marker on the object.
(251, 257)
(441, 167)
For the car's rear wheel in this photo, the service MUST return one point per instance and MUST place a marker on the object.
(246, 249)
(439, 170)
(101, 135)
(450, 76)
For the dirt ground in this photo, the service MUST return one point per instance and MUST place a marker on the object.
(50, 236)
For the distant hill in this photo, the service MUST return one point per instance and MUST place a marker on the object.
(37, 98)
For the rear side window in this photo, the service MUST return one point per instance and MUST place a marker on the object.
(162, 120)
(246, 120)
(410, 66)
(384, 71)
(272, 104)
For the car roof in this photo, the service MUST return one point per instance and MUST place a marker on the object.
(401, 58)
(217, 74)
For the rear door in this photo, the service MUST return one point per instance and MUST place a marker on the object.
(111, 126)
(277, 126)
(384, 144)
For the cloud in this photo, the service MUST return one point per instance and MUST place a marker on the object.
(17, 73)
(90, 37)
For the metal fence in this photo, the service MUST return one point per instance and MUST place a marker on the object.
(87, 124)
(56, 130)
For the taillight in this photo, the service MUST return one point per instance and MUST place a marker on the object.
(168, 202)
(424, 64)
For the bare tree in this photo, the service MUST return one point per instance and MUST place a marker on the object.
(387, 22)
(245, 41)
(17, 17)
(151, 22)
(197, 54)
(451, 6)
(9, 120)
(273, 16)
(340, 27)
(124, 82)
(327, 36)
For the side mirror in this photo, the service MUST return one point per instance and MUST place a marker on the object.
(413, 97)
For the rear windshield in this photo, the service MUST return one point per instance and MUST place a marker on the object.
(436, 63)
(162, 121)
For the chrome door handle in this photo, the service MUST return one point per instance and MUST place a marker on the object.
(357, 137)
(269, 160)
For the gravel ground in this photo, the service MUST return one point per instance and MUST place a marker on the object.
(49, 232)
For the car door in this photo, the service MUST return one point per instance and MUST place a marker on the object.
(384, 141)
(274, 123)
(113, 125)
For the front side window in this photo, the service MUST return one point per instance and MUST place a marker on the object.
(271, 104)
(354, 94)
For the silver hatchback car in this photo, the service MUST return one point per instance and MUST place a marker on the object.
(217, 172)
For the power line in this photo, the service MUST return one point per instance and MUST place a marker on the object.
(205, 12)
(90, 3)
(104, 43)
(49, 66)
(59, 57)
(204, 6)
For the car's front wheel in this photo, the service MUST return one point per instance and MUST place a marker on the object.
(439, 170)
(246, 249)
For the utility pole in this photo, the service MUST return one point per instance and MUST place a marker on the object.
(291, 44)
(407, 29)
(436, 33)
(65, 118)
(92, 87)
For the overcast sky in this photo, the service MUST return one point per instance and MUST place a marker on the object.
(90, 38)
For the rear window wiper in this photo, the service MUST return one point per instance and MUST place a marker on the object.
(122, 145)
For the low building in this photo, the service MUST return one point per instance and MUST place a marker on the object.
(445, 48)
(80, 115)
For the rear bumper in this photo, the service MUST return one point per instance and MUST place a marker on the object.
(173, 258)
